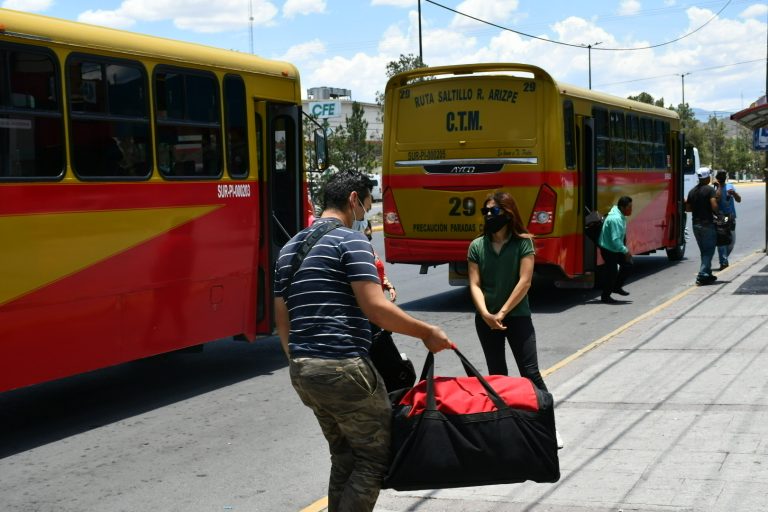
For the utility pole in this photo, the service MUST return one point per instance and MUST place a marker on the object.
(421, 54)
(250, 23)
(589, 58)
(682, 77)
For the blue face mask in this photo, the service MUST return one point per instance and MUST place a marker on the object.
(360, 225)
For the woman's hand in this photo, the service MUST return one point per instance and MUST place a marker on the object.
(494, 321)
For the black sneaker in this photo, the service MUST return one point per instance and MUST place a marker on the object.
(703, 281)
(723, 266)
(621, 291)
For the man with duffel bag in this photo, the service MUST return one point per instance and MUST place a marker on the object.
(322, 312)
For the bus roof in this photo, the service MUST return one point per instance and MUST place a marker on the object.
(81, 35)
(609, 99)
(405, 77)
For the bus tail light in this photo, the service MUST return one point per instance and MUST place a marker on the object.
(391, 219)
(543, 215)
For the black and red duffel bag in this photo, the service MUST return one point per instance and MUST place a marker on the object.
(466, 431)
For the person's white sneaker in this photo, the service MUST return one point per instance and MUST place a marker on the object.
(559, 440)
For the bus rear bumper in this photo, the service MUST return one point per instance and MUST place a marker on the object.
(425, 252)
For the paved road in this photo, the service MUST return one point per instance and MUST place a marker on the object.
(223, 430)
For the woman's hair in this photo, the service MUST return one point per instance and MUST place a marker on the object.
(509, 205)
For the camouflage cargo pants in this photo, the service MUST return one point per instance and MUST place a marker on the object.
(350, 402)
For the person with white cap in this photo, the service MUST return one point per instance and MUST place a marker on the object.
(702, 204)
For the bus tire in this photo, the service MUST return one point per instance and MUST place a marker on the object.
(678, 252)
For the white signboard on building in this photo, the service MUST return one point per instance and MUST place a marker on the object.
(325, 109)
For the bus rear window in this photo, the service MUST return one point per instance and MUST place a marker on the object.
(502, 112)
(31, 123)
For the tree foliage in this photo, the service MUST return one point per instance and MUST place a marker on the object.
(403, 63)
(349, 147)
(644, 97)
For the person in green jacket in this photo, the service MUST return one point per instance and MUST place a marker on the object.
(614, 250)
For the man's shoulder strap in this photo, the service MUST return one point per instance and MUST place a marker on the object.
(311, 239)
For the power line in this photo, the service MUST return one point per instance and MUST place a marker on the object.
(579, 45)
(678, 74)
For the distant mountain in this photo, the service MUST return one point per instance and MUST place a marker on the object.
(703, 115)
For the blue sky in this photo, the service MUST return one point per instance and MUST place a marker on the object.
(347, 43)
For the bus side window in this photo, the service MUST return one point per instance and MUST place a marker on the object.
(602, 158)
(618, 141)
(646, 147)
(31, 122)
(109, 110)
(236, 126)
(633, 141)
(570, 145)
(188, 123)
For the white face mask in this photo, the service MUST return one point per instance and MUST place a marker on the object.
(360, 225)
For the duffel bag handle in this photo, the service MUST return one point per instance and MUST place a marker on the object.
(428, 374)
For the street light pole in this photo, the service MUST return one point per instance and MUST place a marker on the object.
(421, 55)
(682, 77)
(589, 58)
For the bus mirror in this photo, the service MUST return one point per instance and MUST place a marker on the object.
(321, 150)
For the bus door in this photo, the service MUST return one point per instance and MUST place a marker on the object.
(280, 202)
(588, 185)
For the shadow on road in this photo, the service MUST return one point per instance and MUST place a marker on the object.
(44, 413)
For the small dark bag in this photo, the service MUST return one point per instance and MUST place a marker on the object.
(723, 227)
(460, 431)
(397, 371)
(593, 225)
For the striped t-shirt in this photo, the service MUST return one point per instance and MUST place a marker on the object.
(326, 321)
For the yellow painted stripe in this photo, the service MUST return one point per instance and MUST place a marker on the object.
(43, 248)
(317, 506)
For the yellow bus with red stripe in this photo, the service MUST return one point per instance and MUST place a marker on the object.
(454, 134)
(146, 186)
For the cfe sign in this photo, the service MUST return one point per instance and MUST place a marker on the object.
(325, 109)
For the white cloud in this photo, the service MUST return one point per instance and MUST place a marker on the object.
(195, 15)
(28, 5)
(498, 11)
(106, 18)
(362, 74)
(396, 3)
(304, 51)
(629, 7)
(303, 7)
(755, 11)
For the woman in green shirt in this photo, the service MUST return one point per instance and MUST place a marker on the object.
(500, 272)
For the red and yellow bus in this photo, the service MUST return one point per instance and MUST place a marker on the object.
(454, 134)
(146, 186)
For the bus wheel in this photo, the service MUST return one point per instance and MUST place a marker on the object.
(678, 252)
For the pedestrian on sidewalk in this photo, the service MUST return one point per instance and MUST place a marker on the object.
(613, 249)
(500, 272)
(323, 313)
(702, 204)
(727, 197)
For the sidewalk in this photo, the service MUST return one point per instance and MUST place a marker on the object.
(668, 413)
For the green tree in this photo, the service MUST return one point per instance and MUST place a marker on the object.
(712, 147)
(350, 148)
(404, 63)
(644, 97)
